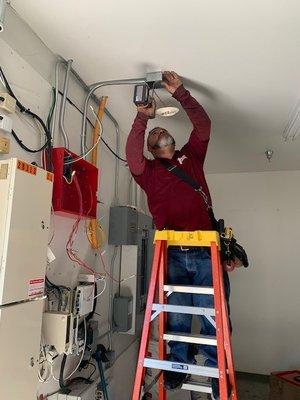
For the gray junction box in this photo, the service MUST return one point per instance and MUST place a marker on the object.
(130, 227)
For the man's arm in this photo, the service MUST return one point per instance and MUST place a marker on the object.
(135, 145)
(135, 141)
(196, 113)
(201, 122)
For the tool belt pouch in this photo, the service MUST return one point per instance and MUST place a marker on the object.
(233, 255)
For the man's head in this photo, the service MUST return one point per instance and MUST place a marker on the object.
(160, 143)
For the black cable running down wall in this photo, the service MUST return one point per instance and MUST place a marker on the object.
(27, 111)
(90, 122)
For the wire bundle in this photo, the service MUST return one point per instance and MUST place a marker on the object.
(28, 112)
(72, 254)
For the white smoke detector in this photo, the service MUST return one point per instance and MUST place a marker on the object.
(167, 111)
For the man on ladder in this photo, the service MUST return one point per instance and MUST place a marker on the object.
(176, 206)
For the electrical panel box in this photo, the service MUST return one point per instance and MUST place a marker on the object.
(57, 330)
(134, 231)
(25, 206)
(75, 185)
(123, 313)
(123, 225)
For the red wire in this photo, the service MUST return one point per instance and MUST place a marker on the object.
(111, 277)
(69, 245)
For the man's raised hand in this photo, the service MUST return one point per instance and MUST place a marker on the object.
(148, 110)
(171, 81)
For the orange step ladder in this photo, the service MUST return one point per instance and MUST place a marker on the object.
(218, 316)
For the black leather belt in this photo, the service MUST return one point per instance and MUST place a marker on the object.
(187, 248)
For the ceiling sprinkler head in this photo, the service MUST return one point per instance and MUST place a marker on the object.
(269, 154)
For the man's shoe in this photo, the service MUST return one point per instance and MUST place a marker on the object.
(173, 380)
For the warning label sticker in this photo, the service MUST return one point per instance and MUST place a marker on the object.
(36, 287)
(23, 166)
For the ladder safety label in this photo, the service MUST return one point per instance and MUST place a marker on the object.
(36, 287)
(182, 367)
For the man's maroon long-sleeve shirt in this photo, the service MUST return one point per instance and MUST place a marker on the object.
(172, 203)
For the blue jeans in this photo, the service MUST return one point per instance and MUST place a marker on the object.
(191, 267)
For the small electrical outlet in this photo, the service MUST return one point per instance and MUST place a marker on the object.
(4, 145)
(7, 103)
(5, 123)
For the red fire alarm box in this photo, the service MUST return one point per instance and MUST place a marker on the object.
(67, 195)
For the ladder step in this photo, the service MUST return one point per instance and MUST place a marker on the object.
(189, 338)
(189, 289)
(181, 367)
(197, 387)
(184, 309)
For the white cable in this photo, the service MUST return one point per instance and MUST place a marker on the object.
(81, 358)
(83, 155)
(103, 290)
(93, 147)
(48, 377)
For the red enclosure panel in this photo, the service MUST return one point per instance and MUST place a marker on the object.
(66, 198)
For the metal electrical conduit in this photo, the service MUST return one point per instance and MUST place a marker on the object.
(62, 129)
(70, 70)
(92, 89)
(90, 95)
(63, 104)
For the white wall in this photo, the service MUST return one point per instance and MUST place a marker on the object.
(264, 210)
(34, 91)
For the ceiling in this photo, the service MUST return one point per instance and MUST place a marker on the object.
(241, 58)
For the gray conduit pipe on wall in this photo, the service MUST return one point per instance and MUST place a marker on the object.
(90, 95)
(62, 61)
(63, 105)
(93, 88)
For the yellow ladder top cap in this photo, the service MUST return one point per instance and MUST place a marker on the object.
(188, 238)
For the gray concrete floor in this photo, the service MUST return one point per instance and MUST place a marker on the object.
(253, 387)
(250, 387)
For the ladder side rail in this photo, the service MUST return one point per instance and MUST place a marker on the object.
(147, 320)
(216, 270)
(162, 318)
(227, 343)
